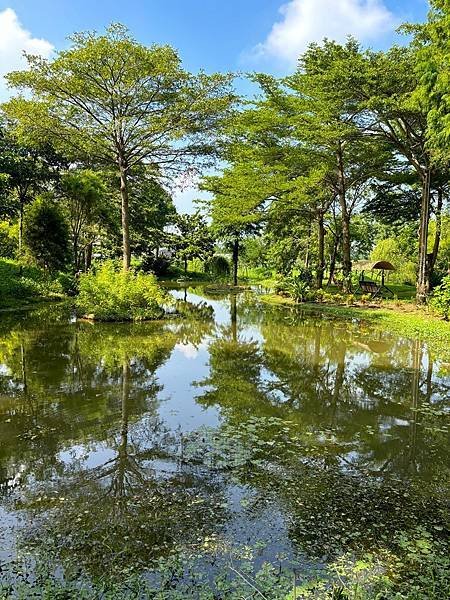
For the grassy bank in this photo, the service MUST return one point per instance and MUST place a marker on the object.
(404, 319)
(176, 274)
(24, 285)
(270, 279)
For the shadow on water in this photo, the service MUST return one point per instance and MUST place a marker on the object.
(236, 426)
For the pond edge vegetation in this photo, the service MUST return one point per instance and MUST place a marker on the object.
(409, 322)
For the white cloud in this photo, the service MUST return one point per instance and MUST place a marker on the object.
(189, 351)
(306, 21)
(14, 40)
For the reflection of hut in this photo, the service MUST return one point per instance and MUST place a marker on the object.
(375, 347)
(379, 346)
(367, 286)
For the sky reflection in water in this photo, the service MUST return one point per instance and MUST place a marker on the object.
(229, 425)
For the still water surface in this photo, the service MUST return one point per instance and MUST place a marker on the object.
(240, 432)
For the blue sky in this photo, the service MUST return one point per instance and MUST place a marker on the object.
(210, 34)
(224, 35)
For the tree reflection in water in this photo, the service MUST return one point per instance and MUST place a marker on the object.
(334, 426)
(358, 451)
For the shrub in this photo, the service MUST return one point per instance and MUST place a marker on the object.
(295, 287)
(258, 272)
(67, 283)
(8, 239)
(159, 265)
(306, 275)
(46, 234)
(218, 266)
(110, 295)
(440, 299)
(26, 282)
(349, 299)
(319, 295)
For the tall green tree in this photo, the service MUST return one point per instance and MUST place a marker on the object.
(192, 238)
(26, 169)
(325, 115)
(236, 208)
(46, 234)
(84, 193)
(268, 174)
(432, 42)
(303, 140)
(394, 113)
(110, 100)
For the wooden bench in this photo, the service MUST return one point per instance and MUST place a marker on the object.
(370, 287)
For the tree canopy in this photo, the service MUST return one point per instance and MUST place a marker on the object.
(316, 169)
(109, 100)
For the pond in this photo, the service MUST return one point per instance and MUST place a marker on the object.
(239, 439)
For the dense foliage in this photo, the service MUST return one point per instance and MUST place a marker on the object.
(21, 284)
(8, 240)
(345, 159)
(46, 234)
(218, 266)
(441, 298)
(108, 295)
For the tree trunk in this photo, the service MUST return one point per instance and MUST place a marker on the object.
(88, 257)
(320, 250)
(437, 238)
(233, 317)
(422, 273)
(333, 259)
(126, 250)
(308, 242)
(235, 261)
(21, 209)
(346, 261)
(185, 267)
(346, 244)
(76, 261)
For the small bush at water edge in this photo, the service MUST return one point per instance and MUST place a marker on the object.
(218, 266)
(441, 298)
(111, 295)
